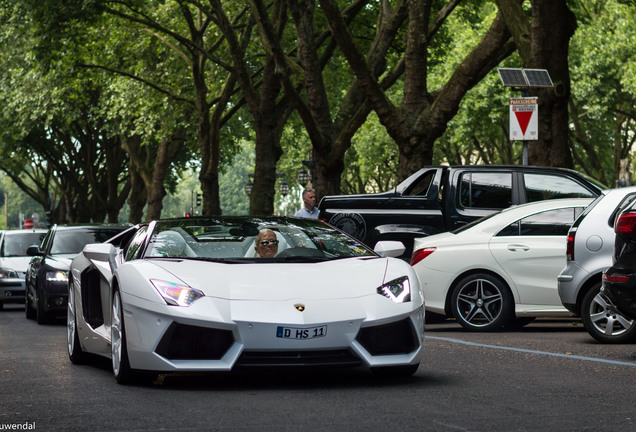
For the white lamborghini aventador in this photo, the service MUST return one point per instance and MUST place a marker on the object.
(219, 294)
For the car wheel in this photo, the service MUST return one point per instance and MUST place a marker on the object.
(482, 302)
(1, 305)
(119, 352)
(75, 353)
(28, 310)
(40, 316)
(602, 320)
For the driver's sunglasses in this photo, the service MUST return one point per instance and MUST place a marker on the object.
(269, 242)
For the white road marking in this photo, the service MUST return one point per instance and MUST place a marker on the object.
(593, 359)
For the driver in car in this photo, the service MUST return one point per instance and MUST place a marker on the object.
(266, 244)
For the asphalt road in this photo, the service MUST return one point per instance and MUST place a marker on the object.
(548, 376)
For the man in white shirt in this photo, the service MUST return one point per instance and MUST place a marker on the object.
(309, 209)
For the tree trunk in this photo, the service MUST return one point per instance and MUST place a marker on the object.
(268, 129)
(150, 164)
(416, 131)
(330, 138)
(263, 189)
(209, 134)
(116, 161)
(270, 115)
(424, 114)
(553, 24)
(543, 43)
(210, 142)
(166, 152)
(138, 194)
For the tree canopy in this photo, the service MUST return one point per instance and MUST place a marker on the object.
(108, 103)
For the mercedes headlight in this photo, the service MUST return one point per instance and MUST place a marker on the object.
(176, 294)
(398, 290)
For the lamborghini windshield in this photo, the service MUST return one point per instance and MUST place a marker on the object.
(251, 239)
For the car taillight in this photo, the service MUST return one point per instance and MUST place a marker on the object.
(625, 225)
(569, 247)
(615, 278)
(420, 254)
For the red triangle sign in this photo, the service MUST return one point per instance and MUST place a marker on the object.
(523, 117)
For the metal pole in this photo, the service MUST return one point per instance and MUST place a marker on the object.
(525, 153)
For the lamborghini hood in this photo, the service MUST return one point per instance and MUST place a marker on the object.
(345, 278)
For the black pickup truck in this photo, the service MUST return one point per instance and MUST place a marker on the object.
(442, 198)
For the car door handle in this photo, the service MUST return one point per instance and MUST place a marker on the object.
(518, 248)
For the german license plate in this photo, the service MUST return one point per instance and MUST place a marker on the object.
(301, 333)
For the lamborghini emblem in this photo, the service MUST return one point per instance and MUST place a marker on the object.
(299, 307)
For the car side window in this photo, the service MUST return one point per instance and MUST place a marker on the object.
(489, 190)
(422, 185)
(135, 248)
(547, 186)
(548, 223)
(46, 240)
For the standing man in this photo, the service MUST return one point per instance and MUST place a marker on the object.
(309, 210)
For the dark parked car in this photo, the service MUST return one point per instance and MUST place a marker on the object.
(14, 261)
(443, 198)
(619, 281)
(47, 273)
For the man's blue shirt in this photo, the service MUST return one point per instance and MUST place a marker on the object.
(304, 213)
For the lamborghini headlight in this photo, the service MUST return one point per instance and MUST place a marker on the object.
(398, 290)
(176, 294)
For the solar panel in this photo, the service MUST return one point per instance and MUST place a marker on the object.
(538, 78)
(512, 77)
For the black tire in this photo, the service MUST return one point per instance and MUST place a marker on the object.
(40, 316)
(28, 310)
(1, 305)
(119, 351)
(482, 302)
(602, 320)
(75, 352)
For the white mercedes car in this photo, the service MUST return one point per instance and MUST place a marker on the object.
(219, 294)
(499, 270)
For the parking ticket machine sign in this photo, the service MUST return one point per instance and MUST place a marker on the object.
(524, 115)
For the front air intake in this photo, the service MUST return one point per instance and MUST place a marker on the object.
(186, 342)
(394, 338)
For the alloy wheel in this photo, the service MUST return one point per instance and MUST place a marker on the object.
(481, 302)
(70, 321)
(605, 323)
(116, 334)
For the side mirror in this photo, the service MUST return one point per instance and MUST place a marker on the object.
(34, 251)
(103, 256)
(104, 252)
(389, 248)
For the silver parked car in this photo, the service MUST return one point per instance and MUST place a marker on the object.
(589, 253)
(14, 261)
